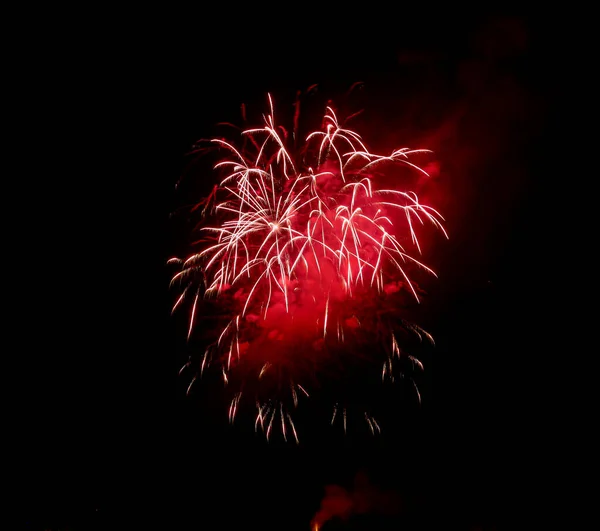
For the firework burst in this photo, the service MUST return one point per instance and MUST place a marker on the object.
(304, 260)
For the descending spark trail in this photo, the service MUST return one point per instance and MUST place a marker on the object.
(305, 256)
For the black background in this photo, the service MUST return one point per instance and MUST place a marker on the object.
(110, 439)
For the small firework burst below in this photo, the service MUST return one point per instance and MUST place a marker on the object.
(305, 261)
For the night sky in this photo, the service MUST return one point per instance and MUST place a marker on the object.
(113, 440)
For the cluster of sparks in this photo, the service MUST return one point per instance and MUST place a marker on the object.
(300, 250)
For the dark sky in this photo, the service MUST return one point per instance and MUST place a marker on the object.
(111, 437)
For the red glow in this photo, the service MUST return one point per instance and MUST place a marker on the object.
(306, 250)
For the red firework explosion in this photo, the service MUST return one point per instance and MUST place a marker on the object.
(306, 259)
